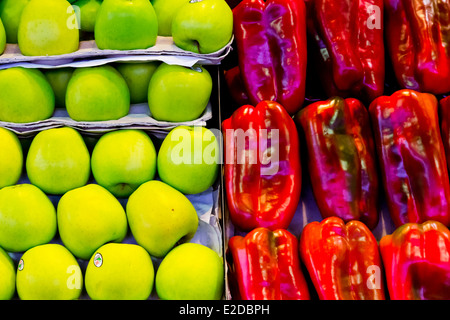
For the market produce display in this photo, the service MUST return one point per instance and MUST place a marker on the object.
(331, 150)
(372, 221)
(85, 213)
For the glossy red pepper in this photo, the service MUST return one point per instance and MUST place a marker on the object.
(262, 169)
(417, 261)
(418, 41)
(412, 157)
(343, 260)
(271, 46)
(236, 87)
(348, 46)
(444, 112)
(266, 266)
(341, 159)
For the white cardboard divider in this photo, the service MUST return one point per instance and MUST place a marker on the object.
(89, 54)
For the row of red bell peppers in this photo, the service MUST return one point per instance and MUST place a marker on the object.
(345, 158)
(344, 262)
(399, 145)
(350, 43)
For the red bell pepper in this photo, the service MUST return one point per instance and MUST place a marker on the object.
(265, 265)
(412, 157)
(236, 86)
(416, 258)
(341, 159)
(271, 46)
(444, 111)
(262, 169)
(418, 41)
(343, 260)
(348, 46)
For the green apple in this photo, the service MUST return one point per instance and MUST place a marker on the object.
(49, 272)
(48, 27)
(188, 159)
(178, 94)
(203, 26)
(88, 13)
(28, 218)
(137, 75)
(88, 217)
(126, 25)
(159, 217)
(10, 13)
(2, 37)
(7, 276)
(97, 94)
(58, 161)
(59, 79)
(165, 11)
(190, 271)
(120, 271)
(25, 95)
(123, 160)
(11, 163)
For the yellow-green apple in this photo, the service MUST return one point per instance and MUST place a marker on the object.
(188, 159)
(191, 271)
(177, 93)
(137, 75)
(48, 27)
(120, 271)
(28, 218)
(88, 217)
(97, 94)
(58, 161)
(59, 79)
(165, 11)
(49, 272)
(2, 37)
(11, 161)
(123, 160)
(25, 95)
(159, 217)
(126, 25)
(203, 26)
(10, 13)
(7, 276)
(88, 13)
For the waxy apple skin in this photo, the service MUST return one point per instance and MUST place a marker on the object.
(59, 79)
(123, 160)
(88, 217)
(58, 161)
(137, 75)
(165, 11)
(48, 27)
(2, 38)
(49, 272)
(126, 25)
(10, 13)
(123, 272)
(7, 276)
(178, 94)
(97, 94)
(203, 26)
(11, 164)
(25, 95)
(28, 218)
(159, 217)
(190, 271)
(198, 169)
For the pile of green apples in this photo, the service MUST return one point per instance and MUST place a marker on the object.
(85, 195)
(55, 27)
(174, 93)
